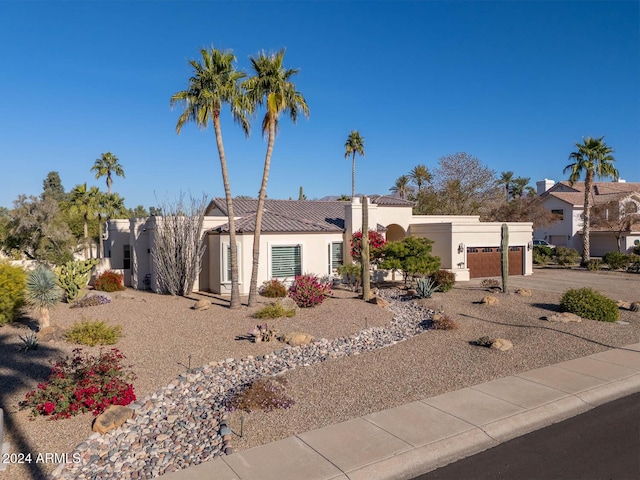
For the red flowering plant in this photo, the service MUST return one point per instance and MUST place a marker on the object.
(376, 242)
(82, 383)
(307, 291)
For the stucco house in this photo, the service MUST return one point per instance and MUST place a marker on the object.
(567, 201)
(313, 236)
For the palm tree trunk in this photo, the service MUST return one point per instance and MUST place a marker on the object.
(44, 319)
(86, 237)
(353, 176)
(586, 229)
(99, 236)
(253, 288)
(235, 290)
(109, 183)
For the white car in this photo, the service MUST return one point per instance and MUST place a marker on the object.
(542, 243)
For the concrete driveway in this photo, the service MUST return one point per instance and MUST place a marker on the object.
(616, 285)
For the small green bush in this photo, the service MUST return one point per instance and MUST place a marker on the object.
(444, 279)
(594, 264)
(567, 256)
(110, 281)
(12, 285)
(616, 260)
(587, 303)
(273, 289)
(634, 267)
(542, 254)
(274, 310)
(636, 249)
(94, 332)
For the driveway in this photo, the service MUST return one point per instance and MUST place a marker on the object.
(616, 285)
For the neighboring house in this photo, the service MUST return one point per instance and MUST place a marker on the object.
(609, 199)
(310, 236)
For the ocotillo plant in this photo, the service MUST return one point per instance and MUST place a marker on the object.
(504, 256)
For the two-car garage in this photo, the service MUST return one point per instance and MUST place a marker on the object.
(485, 261)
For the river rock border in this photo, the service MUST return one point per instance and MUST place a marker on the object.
(185, 424)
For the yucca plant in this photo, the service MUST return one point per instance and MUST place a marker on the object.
(43, 293)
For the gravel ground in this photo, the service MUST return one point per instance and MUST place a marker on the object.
(161, 333)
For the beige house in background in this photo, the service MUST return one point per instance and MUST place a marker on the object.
(313, 236)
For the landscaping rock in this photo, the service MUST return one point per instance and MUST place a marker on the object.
(624, 305)
(635, 307)
(411, 293)
(50, 334)
(296, 339)
(288, 303)
(202, 304)
(381, 302)
(112, 417)
(490, 300)
(501, 344)
(564, 317)
(524, 292)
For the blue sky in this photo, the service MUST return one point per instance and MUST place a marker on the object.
(516, 84)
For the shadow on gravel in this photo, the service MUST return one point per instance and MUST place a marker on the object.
(552, 307)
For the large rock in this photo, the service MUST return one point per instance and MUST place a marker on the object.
(112, 417)
(295, 339)
(202, 304)
(501, 344)
(490, 300)
(288, 303)
(624, 305)
(564, 317)
(381, 302)
(50, 334)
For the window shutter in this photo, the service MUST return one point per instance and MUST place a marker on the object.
(336, 254)
(286, 261)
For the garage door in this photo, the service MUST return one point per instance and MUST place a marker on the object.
(485, 261)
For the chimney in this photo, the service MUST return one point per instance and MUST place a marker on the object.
(544, 185)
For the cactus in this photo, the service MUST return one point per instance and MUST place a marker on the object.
(425, 287)
(73, 276)
(504, 256)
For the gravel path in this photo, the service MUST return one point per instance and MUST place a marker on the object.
(325, 392)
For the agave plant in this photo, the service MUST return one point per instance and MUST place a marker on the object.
(43, 293)
(29, 342)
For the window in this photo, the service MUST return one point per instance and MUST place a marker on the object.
(335, 256)
(286, 261)
(126, 257)
(226, 263)
(630, 207)
(559, 212)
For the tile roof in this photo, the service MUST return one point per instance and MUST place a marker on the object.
(603, 192)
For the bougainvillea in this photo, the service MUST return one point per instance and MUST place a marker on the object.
(82, 383)
(376, 242)
(307, 291)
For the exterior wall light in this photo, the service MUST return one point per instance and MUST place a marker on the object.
(529, 245)
(461, 248)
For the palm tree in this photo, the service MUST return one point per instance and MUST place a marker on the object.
(84, 202)
(420, 175)
(214, 83)
(519, 186)
(106, 164)
(107, 206)
(401, 186)
(271, 87)
(505, 179)
(353, 145)
(592, 156)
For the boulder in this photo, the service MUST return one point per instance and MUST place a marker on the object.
(501, 344)
(524, 292)
(50, 334)
(288, 303)
(295, 339)
(381, 302)
(112, 417)
(202, 304)
(490, 300)
(564, 317)
(624, 305)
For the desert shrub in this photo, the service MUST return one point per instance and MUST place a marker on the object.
(262, 333)
(425, 287)
(444, 279)
(82, 383)
(12, 284)
(636, 249)
(587, 303)
(109, 281)
(73, 276)
(93, 332)
(443, 322)
(352, 272)
(91, 301)
(566, 256)
(616, 260)
(490, 283)
(307, 291)
(273, 289)
(542, 254)
(594, 264)
(634, 267)
(262, 394)
(274, 310)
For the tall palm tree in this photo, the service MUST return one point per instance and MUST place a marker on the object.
(592, 156)
(519, 186)
(105, 165)
(214, 83)
(401, 186)
(271, 87)
(353, 145)
(107, 206)
(505, 179)
(420, 175)
(84, 202)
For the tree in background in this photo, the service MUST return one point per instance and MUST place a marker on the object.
(52, 187)
(354, 145)
(214, 83)
(108, 206)
(105, 165)
(593, 157)
(615, 218)
(271, 87)
(84, 202)
(520, 188)
(505, 181)
(138, 212)
(420, 176)
(527, 208)
(401, 187)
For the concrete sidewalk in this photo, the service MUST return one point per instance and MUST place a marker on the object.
(412, 439)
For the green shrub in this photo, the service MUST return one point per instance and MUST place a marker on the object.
(12, 284)
(110, 281)
(616, 260)
(567, 256)
(541, 254)
(594, 264)
(636, 249)
(444, 279)
(94, 332)
(273, 288)
(274, 310)
(587, 303)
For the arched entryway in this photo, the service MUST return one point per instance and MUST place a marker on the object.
(395, 232)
